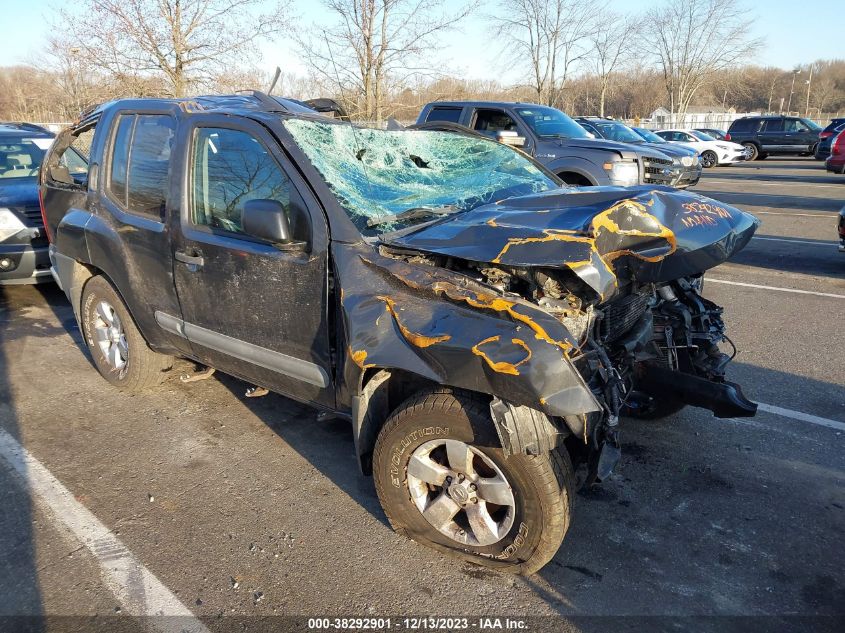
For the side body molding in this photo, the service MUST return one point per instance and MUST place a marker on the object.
(261, 356)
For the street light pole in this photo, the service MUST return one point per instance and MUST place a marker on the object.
(809, 81)
(792, 89)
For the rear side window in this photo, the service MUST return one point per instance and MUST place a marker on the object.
(67, 160)
(120, 158)
(140, 163)
(744, 126)
(452, 115)
(492, 121)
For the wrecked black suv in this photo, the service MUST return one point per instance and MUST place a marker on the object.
(481, 326)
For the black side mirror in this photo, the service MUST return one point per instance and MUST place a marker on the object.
(267, 220)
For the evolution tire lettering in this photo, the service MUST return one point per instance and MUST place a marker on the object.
(396, 465)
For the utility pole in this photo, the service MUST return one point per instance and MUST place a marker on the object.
(809, 81)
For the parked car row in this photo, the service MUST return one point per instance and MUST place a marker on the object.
(557, 141)
(585, 151)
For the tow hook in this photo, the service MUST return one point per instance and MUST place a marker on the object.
(604, 460)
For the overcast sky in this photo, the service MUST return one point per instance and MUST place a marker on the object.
(794, 33)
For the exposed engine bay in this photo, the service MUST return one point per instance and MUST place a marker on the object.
(650, 350)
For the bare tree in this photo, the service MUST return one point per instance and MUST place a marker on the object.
(187, 42)
(548, 35)
(613, 42)
(374, 45)
(696, 40)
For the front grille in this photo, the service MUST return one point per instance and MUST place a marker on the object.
(33, 214)
(621, 314)
(658, 170)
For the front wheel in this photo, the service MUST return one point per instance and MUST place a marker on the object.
(709, 159)
(444, 481)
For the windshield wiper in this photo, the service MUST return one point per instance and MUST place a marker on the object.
(414, 213)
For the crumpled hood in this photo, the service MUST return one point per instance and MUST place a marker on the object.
(599, 233)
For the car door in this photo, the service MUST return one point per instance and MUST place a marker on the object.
(798, 137)
(128, 236)
(772, 135)
(248, 307)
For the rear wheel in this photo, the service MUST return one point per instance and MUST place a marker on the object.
(753, 151)
(118, 349)
(709, 159)
(444, 481)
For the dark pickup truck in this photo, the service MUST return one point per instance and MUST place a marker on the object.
(558, 142)
(481, 326)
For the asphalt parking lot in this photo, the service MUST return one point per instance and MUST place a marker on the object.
(227, 506)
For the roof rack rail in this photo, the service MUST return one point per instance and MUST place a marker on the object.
(269, 103)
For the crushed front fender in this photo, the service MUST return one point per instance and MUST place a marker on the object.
(454, 331)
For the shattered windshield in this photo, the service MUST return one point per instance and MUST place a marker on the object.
(390, 179)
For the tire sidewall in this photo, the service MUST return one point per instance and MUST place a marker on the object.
(755, 152)
(95, 291)
(399, 444)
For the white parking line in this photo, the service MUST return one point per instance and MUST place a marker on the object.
(771, 183)
(792, 241)
(798, 415)
(826, 216)
(139, 592)
(800, 292)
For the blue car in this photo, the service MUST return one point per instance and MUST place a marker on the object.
(23, 241)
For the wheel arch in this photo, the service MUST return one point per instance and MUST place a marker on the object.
(380, 392)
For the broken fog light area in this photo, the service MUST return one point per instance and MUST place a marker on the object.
(378, 173)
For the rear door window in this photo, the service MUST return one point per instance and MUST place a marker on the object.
(488, 122)
(140, 163)
(773, 125)
(744, 126)
(452, 115)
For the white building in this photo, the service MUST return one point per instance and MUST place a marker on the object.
(697, 116)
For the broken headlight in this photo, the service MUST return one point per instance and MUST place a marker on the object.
(10, 224)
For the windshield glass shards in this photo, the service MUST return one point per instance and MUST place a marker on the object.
(390, 179)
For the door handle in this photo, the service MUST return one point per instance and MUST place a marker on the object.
(192, 257)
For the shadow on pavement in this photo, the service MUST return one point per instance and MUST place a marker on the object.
(20, 593)
(326, 444)
(819, 177)
(820, 260)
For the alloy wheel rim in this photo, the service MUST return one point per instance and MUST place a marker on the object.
(110, 336)
(461, 492)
